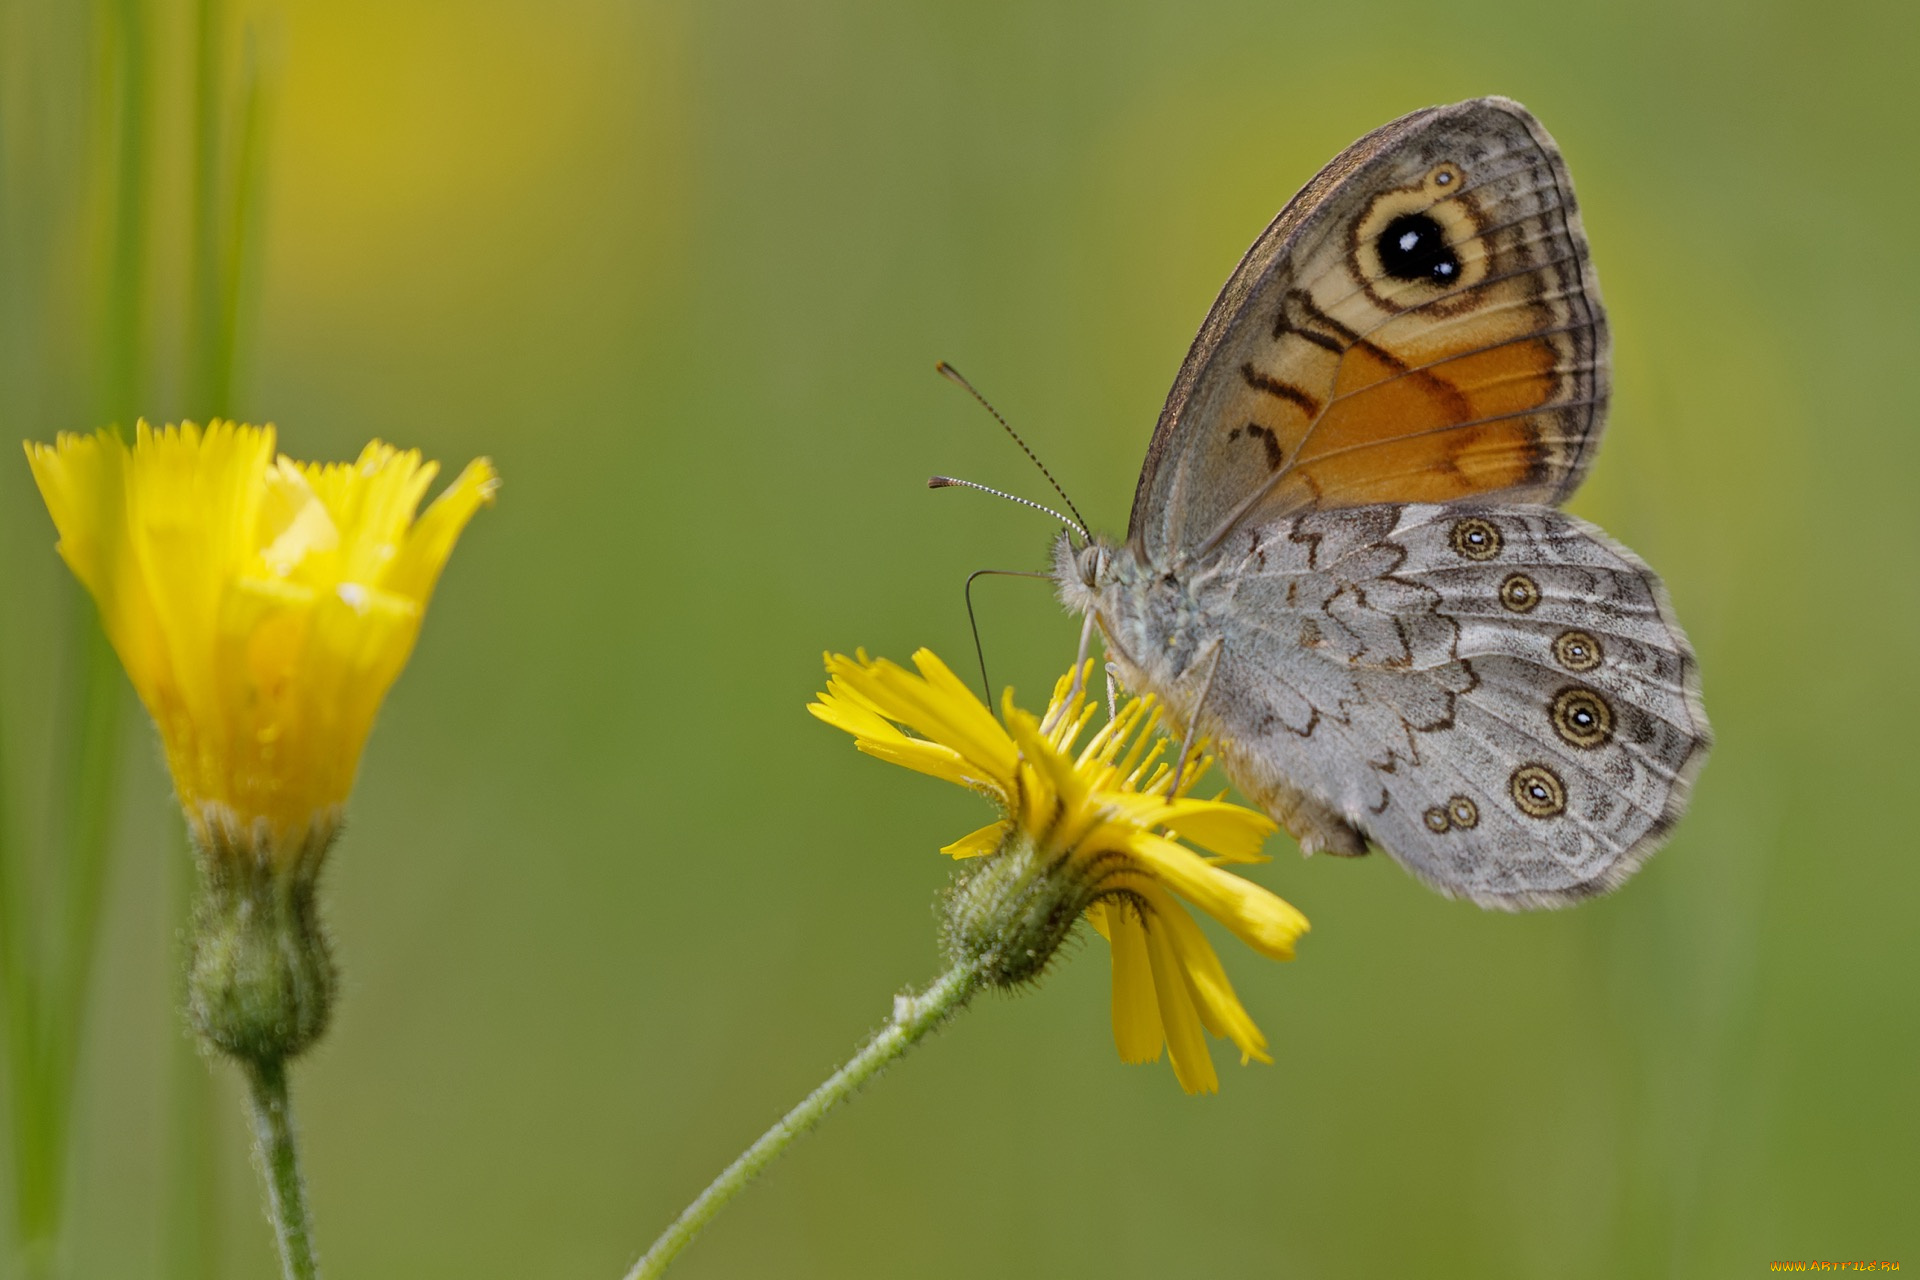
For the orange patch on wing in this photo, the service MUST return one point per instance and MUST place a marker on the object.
(1453, 429)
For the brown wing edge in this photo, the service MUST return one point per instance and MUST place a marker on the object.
(1297, 215)
(1594, 412)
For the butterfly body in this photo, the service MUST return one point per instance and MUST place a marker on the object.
(1344, 566)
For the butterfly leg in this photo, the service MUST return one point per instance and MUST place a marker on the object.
(1193, 721)
(1079, 674)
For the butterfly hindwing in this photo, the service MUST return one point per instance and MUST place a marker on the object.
(1498, 696)
(1420, 323)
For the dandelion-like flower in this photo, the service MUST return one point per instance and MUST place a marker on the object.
(262, 608)
(1093, 831)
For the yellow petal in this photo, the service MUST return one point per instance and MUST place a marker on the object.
(1232, 831)
(192, 503)
(975, 843)
(1267, 923)
(1186, 1040)
(935, 705)
(416, 569)
(1220, 1008)
(879, 737)
(371, 502)
(1059, 800)
(1137, 1032)
(843, 709)
(926, 757)
(295, 526)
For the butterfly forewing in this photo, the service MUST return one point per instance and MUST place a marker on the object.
(1421, 323)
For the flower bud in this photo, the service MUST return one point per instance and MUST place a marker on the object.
(1010, 911)
(260, 976)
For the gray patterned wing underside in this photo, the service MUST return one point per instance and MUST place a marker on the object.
(1499, 696)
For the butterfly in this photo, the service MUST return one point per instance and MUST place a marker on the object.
(1345, 565)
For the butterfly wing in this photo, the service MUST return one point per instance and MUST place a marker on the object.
(1499, 696)
(1421, 323)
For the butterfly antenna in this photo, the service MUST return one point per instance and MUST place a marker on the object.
(953, 375)
(979, 649)
(948, 482)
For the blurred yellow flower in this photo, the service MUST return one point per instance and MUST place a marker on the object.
(1097, 826)
(262, 607)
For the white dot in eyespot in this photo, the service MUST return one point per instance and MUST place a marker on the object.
(1409, 240)
(1444, 179)
(1443, 268)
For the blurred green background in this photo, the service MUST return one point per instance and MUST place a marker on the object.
(610, 900)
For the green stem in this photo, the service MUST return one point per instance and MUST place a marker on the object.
(273, 1147)
(913, 1017)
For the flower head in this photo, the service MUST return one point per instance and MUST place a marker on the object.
(262, 607)
(1093, 830)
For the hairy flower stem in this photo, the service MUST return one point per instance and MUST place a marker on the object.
(913, 1017)
(273, 1146)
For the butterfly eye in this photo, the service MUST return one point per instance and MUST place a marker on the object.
(1092, 563)
(1414, 247)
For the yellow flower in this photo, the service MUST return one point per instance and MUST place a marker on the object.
(1089, 831)
(262, 607)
